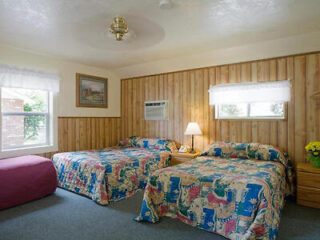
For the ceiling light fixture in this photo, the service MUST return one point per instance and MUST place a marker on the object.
(165, 4)
(119, 28)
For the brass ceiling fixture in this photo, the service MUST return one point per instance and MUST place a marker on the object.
(119, 28)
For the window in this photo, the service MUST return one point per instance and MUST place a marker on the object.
(264, 110)
(250, 100)
(28, 124)
(25, 118)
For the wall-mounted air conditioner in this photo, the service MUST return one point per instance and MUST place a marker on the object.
(156, 110)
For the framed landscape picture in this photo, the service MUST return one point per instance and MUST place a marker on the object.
(91, 91)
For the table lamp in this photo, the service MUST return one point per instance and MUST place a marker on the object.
(193, 129)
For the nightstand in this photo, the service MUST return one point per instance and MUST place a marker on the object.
(177, 158)
(308, 185)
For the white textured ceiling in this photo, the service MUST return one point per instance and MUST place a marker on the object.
(77, 30)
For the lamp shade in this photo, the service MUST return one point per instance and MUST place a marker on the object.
(193, 129)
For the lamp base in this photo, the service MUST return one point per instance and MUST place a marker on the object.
(192, 149)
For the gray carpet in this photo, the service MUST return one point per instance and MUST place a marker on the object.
(65, 215)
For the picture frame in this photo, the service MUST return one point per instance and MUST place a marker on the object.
(91, 91)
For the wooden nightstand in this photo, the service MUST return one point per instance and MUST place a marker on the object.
(177, 158)
(308, 185)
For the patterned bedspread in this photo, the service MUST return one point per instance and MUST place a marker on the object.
(109, 174)
(236, 198)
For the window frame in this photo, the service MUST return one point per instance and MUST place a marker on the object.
(51, 144)
(284, 117)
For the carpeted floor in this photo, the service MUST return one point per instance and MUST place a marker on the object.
(65, 215)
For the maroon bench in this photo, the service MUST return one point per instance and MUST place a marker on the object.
(23, 179)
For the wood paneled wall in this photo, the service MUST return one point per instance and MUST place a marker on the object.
(187, 92)
(82, 133)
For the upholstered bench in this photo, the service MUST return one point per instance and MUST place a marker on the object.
(23, 179)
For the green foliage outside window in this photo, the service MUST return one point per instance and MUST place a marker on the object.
(277, 108)
(231, 110)
(33, 123)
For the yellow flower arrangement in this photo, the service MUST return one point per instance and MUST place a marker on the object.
(313, 149)
(313, 146)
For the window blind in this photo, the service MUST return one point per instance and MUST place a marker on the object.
(250, 92)
(15, 77)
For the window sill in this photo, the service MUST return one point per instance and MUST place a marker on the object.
(254, 119)
(27, 151)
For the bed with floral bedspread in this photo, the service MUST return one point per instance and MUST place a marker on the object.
(115, 173)
(235, 190)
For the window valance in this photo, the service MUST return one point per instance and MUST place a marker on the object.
(250, 92)
(15, 77)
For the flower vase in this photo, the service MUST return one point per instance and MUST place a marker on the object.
(316, 162)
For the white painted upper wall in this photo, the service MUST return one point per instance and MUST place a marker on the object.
(262, 50)
(67, 71)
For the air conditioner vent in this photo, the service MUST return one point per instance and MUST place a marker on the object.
(156, 110)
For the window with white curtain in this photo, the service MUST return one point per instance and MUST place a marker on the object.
(263, 100)
(27, 115)
(25, 118)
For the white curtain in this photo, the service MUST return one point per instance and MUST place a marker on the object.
(28, 79)
(249, 92)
